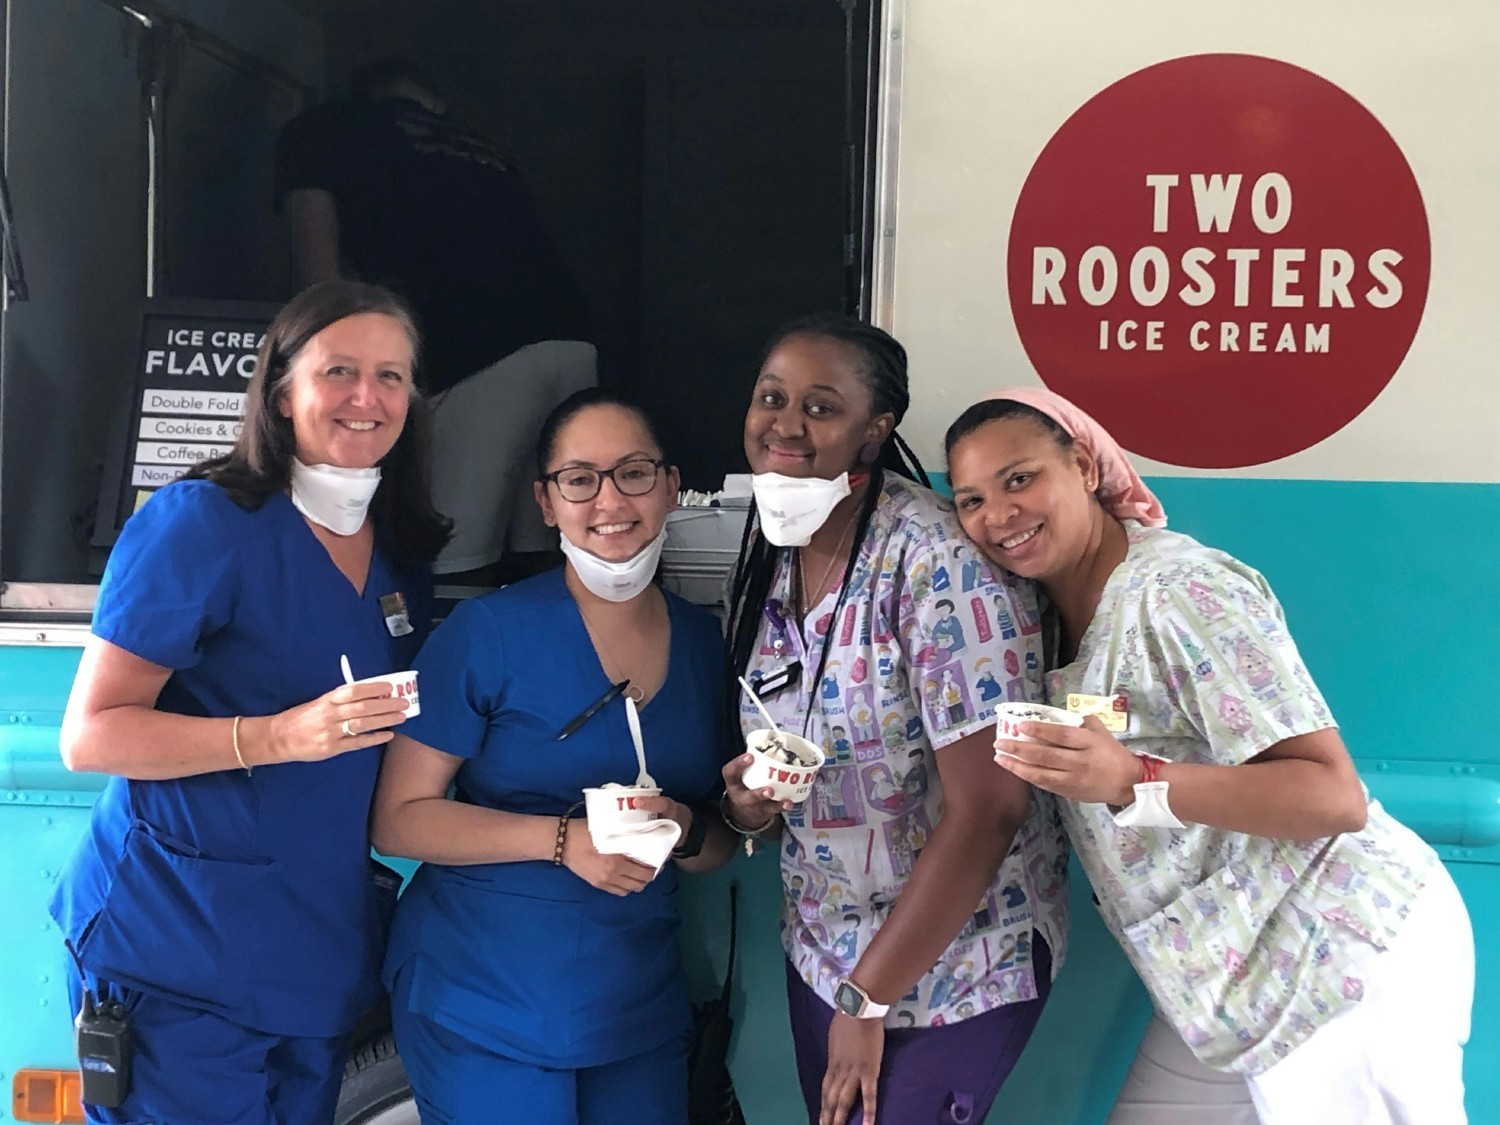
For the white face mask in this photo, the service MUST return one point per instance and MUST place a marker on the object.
(615, 581)
(792, 508)
(332, 497)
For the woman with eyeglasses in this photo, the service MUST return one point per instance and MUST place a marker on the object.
(532, 977)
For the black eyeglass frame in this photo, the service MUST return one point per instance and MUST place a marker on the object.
(656, 463)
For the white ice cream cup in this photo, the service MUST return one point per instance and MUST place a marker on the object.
(403, 686)
(610, 806)
(786, 781)
(1010, 716)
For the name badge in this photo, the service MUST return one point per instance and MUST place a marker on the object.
(779, 680)
(397, 620)
(1112, 710)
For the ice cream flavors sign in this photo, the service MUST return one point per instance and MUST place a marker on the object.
(1225, 258)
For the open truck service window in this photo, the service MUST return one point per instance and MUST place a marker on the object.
(700, 167)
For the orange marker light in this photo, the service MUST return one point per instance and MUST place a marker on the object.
(46, 1095)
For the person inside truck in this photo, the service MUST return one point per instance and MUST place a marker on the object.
(390, 187)
(535, 968)
(223, 897)
(1308, 956)
(902, 998)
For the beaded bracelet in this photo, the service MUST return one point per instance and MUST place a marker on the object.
(562, 834)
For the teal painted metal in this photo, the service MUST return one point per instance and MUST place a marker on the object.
(43, 811)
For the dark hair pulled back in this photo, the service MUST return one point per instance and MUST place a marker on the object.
(407, 526)
(574, 405)
(993, 410)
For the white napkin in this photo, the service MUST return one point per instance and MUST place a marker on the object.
(649, 841)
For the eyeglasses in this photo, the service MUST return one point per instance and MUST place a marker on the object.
(579, 484)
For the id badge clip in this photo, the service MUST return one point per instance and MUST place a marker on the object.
(778, 680)
(393, 609)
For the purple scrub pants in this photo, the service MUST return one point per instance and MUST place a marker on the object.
(929, 1075)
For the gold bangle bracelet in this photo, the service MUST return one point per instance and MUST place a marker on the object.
(234, 734)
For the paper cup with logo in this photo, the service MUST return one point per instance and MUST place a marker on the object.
(1010, 716)
(403, 686)
(787, 781)
(610, 807)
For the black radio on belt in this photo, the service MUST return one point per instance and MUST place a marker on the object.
(103, 1051)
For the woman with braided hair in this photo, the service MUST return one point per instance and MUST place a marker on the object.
(922, 932)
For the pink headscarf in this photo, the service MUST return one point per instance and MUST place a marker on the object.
(1121, 491)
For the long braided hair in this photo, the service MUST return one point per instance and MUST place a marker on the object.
(880, 362)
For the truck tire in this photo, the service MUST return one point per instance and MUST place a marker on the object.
(375, 1090)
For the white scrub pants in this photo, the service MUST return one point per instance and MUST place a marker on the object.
(484, 450)
(1395, 1058)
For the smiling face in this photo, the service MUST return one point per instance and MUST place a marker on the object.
(613, 526)
(1024, 500)
(811, 412)
(347, 391)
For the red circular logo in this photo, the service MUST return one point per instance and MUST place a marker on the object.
(1223, 258)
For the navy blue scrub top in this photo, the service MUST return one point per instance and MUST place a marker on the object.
(249, 896)
(526, 958)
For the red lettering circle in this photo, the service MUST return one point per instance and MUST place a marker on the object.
(1224, 258)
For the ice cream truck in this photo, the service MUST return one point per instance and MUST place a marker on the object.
(1258, 242)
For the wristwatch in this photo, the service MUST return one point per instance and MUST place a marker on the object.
(854, 1001)
(692, 840)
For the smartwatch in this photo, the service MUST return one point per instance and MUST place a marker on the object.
(692, 840)
(854, 1001)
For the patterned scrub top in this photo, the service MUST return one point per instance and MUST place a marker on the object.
(1244, 942)
(927, 642)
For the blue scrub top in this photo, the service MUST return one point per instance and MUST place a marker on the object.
(249, 896)
(526, 958)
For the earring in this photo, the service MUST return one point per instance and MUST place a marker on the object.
(869, 453)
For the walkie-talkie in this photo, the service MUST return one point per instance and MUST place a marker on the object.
(103, 1051)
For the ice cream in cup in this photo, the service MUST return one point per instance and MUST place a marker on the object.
(1010, 716)
(783, 763)
(612, 806)
(403, 686)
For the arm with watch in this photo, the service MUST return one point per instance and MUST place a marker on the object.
(983, 809)
(706, 842)
(1301, 788)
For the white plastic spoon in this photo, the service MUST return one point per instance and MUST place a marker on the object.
(348, 673)
(643, 780)
(764, 714)
(759, 706)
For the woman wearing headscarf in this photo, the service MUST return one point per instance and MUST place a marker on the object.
(1309, 957)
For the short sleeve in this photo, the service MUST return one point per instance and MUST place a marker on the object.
(971, 640)
(461, 675)
(1221, 638)
(307, 151)
(172, 578)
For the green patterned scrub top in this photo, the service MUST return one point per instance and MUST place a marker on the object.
(1243, 941)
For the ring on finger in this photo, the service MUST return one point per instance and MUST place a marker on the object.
(349, 731)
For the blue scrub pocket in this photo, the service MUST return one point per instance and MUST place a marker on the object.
(180, 925)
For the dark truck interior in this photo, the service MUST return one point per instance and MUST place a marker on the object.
(701, 165)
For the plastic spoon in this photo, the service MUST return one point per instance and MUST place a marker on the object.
(764, 714)
(643, 780)
(348, 673)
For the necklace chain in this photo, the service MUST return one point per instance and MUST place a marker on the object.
(811, 598)
(635, 691)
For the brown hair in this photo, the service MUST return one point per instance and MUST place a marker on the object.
(260, 464)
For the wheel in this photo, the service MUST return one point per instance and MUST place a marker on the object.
(375, 1090)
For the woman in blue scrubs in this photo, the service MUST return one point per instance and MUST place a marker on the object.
(532, 978)
(223, 897)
